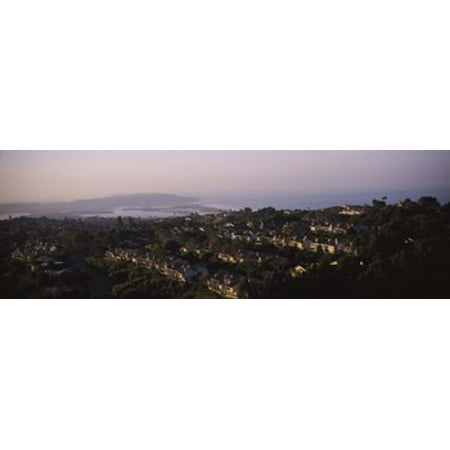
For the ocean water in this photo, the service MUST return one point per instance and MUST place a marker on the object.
(323, 200)
(256, 201)
(13, 215)
(154, 213)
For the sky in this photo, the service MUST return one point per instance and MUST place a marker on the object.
(218, 175)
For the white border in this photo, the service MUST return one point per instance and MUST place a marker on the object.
(172, 374)
(213, 75)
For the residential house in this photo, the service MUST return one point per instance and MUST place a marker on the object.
(227, 284)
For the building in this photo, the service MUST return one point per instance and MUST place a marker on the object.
(227, 284)
(297, 271)
(349, 211)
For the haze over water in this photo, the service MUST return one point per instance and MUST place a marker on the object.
(227, 179)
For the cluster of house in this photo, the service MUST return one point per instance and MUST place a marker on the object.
(45, 257)
(328, 228)
(174, 268)
(179, 269)
(348, 210)
(194, 253)
(257, 232)
(227, 284)
(328, 245)
(41, 255)
(33, 250)
(323, 237)
(328, 237)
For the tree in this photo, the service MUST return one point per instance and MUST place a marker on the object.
(428, 202)
(131, 222)
(119, 223)
(378, 203)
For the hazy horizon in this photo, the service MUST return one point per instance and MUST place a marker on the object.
(235, 176)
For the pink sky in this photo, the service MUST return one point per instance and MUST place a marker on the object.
(68, 175)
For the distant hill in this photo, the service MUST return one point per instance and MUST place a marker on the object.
(99, 205)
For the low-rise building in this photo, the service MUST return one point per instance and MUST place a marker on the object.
(325, 247)
(297, 271)
(349, 211)
(227, 284)
(225, 257)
